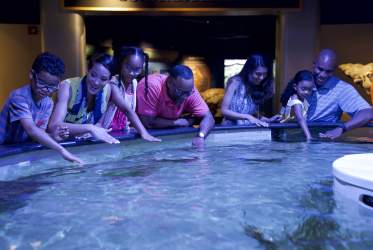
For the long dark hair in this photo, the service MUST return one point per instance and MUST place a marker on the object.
(302, 75)
(123, 53)
(259, 93)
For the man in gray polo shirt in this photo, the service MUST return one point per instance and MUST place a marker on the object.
(334, 96)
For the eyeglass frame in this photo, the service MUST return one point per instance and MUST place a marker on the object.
(182, 93)
(43, 85)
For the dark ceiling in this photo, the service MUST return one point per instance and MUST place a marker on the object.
(20, 12)
(232, 37)
(346, 11)
(331, 11)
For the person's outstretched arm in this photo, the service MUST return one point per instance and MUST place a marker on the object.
(118, 100)
(207, 123)
(229, 92)
(360, 119)
(350, 101)
(298, 110)
(43, 138)
(158, 122)
(59, 114)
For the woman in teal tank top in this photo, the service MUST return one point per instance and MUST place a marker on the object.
(81, 102)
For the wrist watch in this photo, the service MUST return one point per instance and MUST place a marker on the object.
(201, 134)
(343, 127)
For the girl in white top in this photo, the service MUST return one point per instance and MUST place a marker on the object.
(294, 100)
(131, 62)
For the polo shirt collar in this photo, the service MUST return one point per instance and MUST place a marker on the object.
(330, 83)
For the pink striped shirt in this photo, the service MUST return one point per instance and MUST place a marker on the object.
(160, 104)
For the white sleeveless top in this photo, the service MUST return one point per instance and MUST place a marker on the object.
(130, 99)
(286, 111)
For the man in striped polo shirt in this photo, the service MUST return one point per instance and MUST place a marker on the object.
(26, 113)
(334, 96)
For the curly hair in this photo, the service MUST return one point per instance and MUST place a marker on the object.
(259, 93)
(50, 63)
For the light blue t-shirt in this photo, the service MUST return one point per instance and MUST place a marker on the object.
(21, 105)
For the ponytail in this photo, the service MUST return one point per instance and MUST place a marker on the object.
(288, 92)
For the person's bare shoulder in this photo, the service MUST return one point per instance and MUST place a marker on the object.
(233, 82)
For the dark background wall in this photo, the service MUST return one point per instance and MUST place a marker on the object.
(346, 11)
(213, 38)
(20, 12)
(345, 26)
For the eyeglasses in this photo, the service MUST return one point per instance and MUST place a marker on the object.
(133, 71)
(44, 85)
(183, 93)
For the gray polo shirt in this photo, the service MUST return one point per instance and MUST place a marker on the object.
(329, 101)
(21, 105)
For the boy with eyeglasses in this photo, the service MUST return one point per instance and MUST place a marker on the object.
(26, 113)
